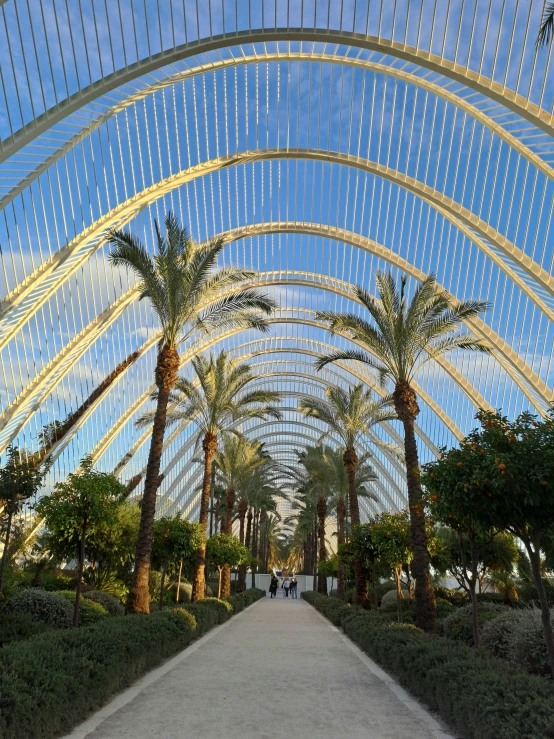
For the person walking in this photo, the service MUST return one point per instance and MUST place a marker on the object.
(286, 586)
(293, 587)
(273, 586)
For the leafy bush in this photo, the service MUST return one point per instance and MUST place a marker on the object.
(237, 602)
(518, 635)
(49, 608)
(18, 626)
(223, 609)
(180, 616)
(459, 624)
(206, 618)
(185, 592)
(51, 682)
(90, 612)
(444, 608)
(389, 600)
(481, 697)
(112, 604)
(456, 597)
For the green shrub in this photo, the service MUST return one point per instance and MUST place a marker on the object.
(459, 624)
(518, 635)
(237, 602)
(223, 609)
(481, 697)
(180, 616)
(389, 601)
(51, 682)
(49, 608)
(112, 604)
(185, 592)
(18, 626)
(90, 612)
(456, 597)
(206, 618)
(444, 608)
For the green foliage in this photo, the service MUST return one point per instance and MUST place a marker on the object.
(111, 604)
(479, 696)
(20, 478)
(223, 609)
(390, 536)
(90, 612)
(175, 540)
(51, 682)
(459, 625)
(224, 549)
(444, 608)
(107, 582)
(17, 626)
(206, 618)
(111, 545)
(329, 567)
(180, 616)
(389, 600)
(85, 500)
(48, 608)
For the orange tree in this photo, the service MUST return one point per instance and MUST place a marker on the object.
(391, 539)
(85, 500)
(175, 543)
(362, 544)
(502, 477)
(224, 549)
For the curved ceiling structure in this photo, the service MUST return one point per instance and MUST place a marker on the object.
(324, 140)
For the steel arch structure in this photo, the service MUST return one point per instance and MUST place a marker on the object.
(323, 140)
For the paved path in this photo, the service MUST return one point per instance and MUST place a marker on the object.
(276, 671)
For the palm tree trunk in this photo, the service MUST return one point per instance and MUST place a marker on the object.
(315, 563)
(242, 509)
(321, 515)
(209, 446)
(255, 547)
(5, 553)
(212, 488)
(263, 537)
(167, 367)
(405, 403)
(226, 576)
(350, 459)
(341, 512)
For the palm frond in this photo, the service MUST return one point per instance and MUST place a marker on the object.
(546, 28)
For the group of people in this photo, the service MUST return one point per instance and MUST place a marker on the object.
(289, 585)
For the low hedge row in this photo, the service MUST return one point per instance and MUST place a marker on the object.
(479, 696)
(51, 682)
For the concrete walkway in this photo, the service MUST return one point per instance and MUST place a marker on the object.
(278, 670)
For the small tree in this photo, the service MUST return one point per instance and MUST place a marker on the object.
(20, 479)
(224, 549)
(364, 544)
(85, 500)
(505, 473)
(329, 568)
(175, 542)
(390, 535)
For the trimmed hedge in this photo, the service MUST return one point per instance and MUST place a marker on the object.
(480, 696)
(43, 606)
(51, 682)
(90, 612)
(112, 604)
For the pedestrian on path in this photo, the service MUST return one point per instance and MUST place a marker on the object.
(293, 587)
(286, 586)
(273, 587)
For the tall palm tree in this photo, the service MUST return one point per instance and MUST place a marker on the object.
(402, 338)
(236, 461)
(350, 414)
(184, 287)
(335, 473)
(220, 399)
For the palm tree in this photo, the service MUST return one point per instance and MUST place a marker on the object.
(236, 462)
(546, 27)
(184, 288)
(350, 414)
(335, 473)
(220, 399)
(402, 338)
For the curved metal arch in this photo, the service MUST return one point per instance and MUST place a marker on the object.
(485, 86)
(23, 302)
(107, 439)
(371, 438)
(362, 377)
(197, 474)
(283, 56)
(29, 400)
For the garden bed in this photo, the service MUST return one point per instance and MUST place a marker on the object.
(480, 696)
(51, 682)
